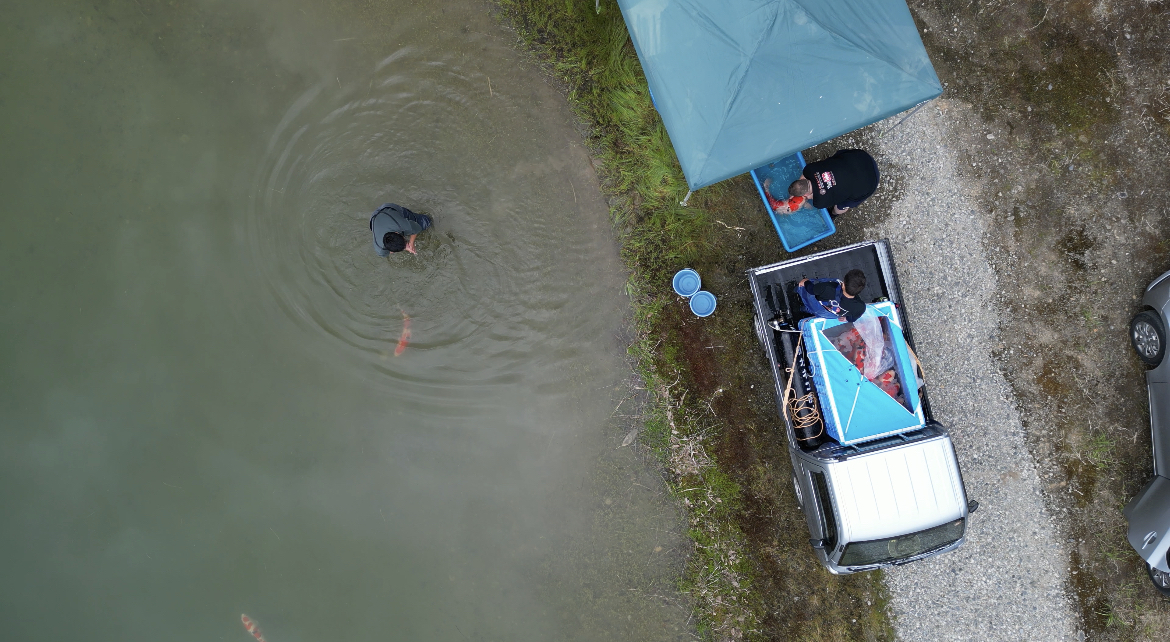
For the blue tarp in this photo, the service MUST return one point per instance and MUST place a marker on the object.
(853, 408)
(741, 83)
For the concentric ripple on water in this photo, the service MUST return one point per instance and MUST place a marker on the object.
(498, 271)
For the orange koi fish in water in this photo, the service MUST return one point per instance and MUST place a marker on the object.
(888, 382)
(250, 624)
(785, 206)
(405, 337)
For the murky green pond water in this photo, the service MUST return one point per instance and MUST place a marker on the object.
(201, 411)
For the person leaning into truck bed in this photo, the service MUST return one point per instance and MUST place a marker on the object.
(838, 183)
(833, 298)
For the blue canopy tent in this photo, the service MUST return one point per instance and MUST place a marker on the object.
(743, 83)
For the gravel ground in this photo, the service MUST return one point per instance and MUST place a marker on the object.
(1008, 581)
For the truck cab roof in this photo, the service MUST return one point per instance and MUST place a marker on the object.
(893, 491)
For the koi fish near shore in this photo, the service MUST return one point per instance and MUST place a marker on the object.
(404, 339)
(250, 624)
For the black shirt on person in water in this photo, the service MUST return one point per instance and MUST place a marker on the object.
(845, 179)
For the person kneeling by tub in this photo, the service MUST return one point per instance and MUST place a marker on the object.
(395, 227)
(838, 183)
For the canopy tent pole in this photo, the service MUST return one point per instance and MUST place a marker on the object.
(686, 198)
(912, 112)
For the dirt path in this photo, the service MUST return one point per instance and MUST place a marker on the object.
(1065, 109)
(1008, 581)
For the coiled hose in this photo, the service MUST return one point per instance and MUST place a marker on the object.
(803, 411)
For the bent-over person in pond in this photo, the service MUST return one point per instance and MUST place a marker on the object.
(394, 228)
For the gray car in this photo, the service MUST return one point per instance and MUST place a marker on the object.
(1149, 513)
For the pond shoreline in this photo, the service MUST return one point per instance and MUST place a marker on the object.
(711, 419)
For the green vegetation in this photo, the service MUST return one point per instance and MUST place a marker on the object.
(712, 423)
(1100, 451)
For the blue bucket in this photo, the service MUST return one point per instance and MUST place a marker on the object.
(703, 303)
(686, 282)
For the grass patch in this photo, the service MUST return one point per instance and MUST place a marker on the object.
(1100, 451)
(712, 422)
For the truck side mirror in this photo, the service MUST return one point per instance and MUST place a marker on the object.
(972, 506)
(818, 544)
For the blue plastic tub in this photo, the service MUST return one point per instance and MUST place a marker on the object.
(703, 303)
(802, 227)
(853, 408)
(686, 282)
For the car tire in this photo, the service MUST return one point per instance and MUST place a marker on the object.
(1160, 579)
(1148, 337)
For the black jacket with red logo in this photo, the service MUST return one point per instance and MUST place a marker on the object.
(845, 179)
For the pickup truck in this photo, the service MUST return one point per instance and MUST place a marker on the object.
(883, 496)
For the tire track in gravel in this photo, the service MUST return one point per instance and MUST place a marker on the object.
(1008, 581)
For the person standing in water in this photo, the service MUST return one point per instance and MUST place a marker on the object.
(394, 228)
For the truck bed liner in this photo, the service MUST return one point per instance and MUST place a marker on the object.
(781, 282)
(775, 288)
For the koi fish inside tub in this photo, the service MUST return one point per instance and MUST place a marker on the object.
(252, 628)
(785, 205)
(404, 338)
